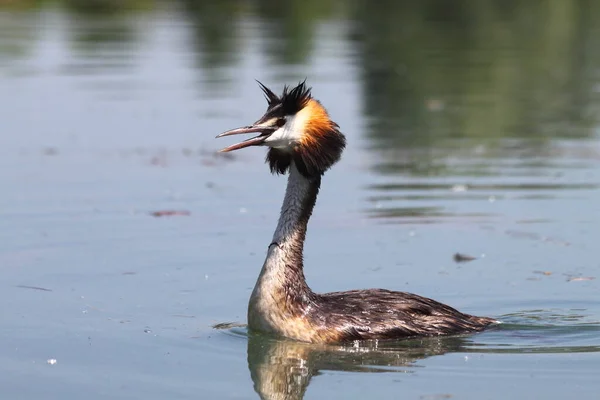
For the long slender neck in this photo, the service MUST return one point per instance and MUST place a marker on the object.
(298, 203)
(281, 292)
(283, 267)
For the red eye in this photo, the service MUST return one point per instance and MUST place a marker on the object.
(280, 122)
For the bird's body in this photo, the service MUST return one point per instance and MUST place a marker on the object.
(304, 142)
(362, 315)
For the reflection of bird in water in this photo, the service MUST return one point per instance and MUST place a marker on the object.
(282, 369)
(304, 142)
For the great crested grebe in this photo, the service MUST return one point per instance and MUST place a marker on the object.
(304, 142)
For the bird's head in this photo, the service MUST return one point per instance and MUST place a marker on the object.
(297, 129)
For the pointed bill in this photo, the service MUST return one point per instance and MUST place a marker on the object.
(265, 132)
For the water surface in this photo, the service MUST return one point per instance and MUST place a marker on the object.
(471, 129)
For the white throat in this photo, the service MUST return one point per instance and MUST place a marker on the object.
(289, 134)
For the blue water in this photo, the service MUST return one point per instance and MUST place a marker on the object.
(479, 139)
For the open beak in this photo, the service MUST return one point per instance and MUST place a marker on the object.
(265, 132)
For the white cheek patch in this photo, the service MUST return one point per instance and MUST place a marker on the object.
(286, 136)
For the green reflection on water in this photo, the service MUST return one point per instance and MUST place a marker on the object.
(442, 82)
(476, 69)
(432, 71)
(290, 27)
(215, 37)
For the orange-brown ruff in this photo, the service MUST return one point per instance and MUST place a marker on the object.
(305, 143)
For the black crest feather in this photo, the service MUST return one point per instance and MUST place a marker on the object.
(271, 97)
(291, 100)
(294, 100)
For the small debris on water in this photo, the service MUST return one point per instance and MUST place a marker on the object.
(462, 258)
(459, 188)
(159, 160)
(535, 236)
(434, 105)
(170, 213)
(50, 151)
(436, 396)
(229, 325)
(224, 156)
(34, 288)
(580, 278)
(213, 158)
(545, 273)
(51, 361)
